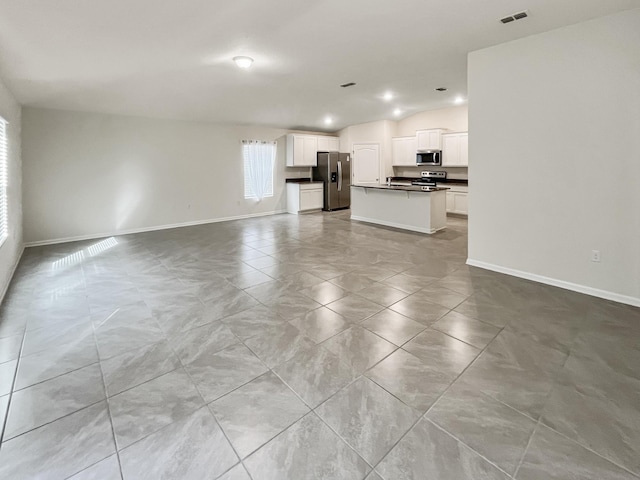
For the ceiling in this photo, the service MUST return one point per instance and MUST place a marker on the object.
(173, 59)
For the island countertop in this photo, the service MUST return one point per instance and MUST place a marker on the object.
(405, 188)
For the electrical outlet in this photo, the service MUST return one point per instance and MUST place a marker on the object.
(595, 255)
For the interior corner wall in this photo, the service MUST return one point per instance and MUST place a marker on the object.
(89, 174)
(11, 249)
(554, 148)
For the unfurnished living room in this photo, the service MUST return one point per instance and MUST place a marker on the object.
(364, 240)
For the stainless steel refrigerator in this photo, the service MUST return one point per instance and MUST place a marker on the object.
(334, 169)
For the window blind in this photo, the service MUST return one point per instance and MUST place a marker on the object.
(4, 226)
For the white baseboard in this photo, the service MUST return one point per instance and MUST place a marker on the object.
(149, 229)
(395, 225)
(594, 292)
(13, 272)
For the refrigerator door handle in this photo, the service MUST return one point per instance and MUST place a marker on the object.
(339, 176)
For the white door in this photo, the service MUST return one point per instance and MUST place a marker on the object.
(366, 164)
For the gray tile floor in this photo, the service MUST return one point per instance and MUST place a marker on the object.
(308, 347)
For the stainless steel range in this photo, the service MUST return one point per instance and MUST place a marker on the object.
(430, 179)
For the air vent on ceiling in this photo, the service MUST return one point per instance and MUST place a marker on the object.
(441, 89)
(345, 85)
(514, 17)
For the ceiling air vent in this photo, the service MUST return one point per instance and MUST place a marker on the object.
(345, 85)
(514, 17)
(441, 89)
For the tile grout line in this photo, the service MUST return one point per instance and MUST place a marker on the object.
(424, 415)
(206, 405)
(106, 394)
(526, 449)
(11, 388)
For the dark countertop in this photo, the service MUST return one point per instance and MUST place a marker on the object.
(300, 180)
(405, 188)
(458, 181)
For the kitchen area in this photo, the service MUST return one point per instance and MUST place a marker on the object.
(414, 173)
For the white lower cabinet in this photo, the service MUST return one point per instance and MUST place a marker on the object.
(458, 200)
(302, 197)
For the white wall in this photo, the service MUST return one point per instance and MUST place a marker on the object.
(11, 249)
(453, 118)
(373, 132)
(91, 174)
(554, 122)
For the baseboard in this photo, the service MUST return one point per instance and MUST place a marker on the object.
(394, 225)
(594, 292)
(149, 229)
(13, 272)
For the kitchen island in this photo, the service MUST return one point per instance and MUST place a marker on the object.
(416, 208)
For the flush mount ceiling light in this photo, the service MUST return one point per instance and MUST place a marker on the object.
(397, 112)
(243, 62)
(387, 96)
(328, 120)
(458, 100)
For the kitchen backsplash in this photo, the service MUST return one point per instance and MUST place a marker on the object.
(457, 173)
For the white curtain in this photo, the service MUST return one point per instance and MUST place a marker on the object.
(259, 157)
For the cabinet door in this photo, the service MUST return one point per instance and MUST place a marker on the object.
(429, 139)
(323, 144)
(298, 151)
(435, 140)
(309, 152)
(460, 203)
(450, 202)
(422, 138)
(311, 199)
(410, 148)
(328, 144)
(397, 148)
(450, 150)
(463, 159)
(403, 153)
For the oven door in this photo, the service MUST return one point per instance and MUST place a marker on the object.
(432, 157)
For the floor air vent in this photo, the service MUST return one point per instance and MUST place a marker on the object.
(514, 17)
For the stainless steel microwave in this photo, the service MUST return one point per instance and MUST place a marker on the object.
(429, 157)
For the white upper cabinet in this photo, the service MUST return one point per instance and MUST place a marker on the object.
(430, 139)
(302, 150)
(403, 153)
(328, 144)
(455, 150)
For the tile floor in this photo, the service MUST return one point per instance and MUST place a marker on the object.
(308, 347)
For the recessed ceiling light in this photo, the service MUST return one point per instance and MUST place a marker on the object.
(243, 62)
(328, 120)
(458, 100)
(387, 96)
(397, 112)
(441, 89)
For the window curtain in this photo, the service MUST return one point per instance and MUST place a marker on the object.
(259, 157)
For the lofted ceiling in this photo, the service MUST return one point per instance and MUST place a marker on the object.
(173, 59)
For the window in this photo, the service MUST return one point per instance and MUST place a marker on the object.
(4, 227)
(259, 158)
